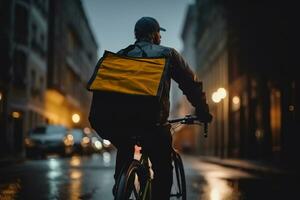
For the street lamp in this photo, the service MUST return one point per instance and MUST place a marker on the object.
(217, 97)
(236, 103)
(16, 114)
(76, 118)
(222, 93)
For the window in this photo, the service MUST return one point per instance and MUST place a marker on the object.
(1, 101)
(38, 41)
(40, 5)
(21, 24)
(275, 118)
(42, 45)
(33, 86)
(32, 78)
(33, 28)
(73, 42)
(41, 89)
(19, 69)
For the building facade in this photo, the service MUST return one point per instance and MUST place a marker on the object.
(245, 48)
(72, 57)
(47, 55)
(187, 137)
(212, 59)
(5, 71)
(25, 67)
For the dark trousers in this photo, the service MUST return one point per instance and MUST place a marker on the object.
(158, 144)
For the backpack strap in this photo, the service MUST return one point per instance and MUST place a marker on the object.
(131, 47)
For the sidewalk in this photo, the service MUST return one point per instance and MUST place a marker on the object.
(9, 160)
(257, 167)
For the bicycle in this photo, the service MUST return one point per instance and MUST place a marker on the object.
(134, 181)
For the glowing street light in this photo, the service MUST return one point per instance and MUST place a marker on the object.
(220, 94)
(87, 130)
(16, 114)
(76, 118)
(236, 100)
(236, 103)
(216, 97)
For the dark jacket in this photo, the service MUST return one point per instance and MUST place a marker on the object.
(179, 71)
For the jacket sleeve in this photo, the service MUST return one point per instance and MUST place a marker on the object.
(187, 80)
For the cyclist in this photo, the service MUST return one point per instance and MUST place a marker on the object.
(157, 141)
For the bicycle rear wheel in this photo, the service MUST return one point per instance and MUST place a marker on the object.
(133, 183)
(178, 190)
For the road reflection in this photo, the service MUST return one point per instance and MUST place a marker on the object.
(53, 174)
(75, 174)
(218, 186)
(214, 182)
(106, 158)
(54, 169)
(76, 177)
(218, 189)
(74, 188)
(75, 161)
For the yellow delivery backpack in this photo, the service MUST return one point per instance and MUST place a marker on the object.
(126, 92)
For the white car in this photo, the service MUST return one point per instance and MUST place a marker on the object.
(47, 139)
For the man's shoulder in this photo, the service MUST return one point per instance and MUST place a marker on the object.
(153, 50)
(165, 49)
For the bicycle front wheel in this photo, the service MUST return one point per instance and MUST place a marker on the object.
(133, 183)
(178, 190)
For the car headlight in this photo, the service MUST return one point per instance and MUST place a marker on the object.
(29, 142)
(106, 143)
(69, 140)
(98, 145)
(85, 141)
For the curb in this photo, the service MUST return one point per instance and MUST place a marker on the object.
(255, 167)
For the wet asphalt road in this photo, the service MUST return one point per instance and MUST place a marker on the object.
(92, 178)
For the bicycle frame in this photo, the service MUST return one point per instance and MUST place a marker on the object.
(144, 160)
(144, 173)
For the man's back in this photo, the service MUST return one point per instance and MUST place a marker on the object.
(178, 70)
(147, 32)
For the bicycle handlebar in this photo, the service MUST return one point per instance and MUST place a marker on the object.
(190, 119)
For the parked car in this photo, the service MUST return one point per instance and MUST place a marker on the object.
(91, 142)
(46, 139)
(106, 144)
(77, 135)
(85, 141)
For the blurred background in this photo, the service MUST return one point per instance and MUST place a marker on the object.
(245, 53)
(49, 50)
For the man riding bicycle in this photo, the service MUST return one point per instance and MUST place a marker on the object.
(157, 139)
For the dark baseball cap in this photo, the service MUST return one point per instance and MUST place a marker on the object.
(147, 25)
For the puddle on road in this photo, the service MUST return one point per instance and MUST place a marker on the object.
(216, 188)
